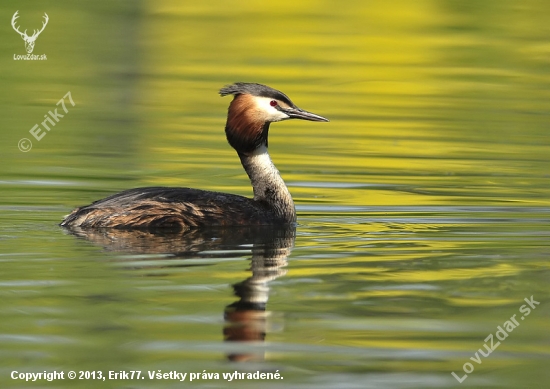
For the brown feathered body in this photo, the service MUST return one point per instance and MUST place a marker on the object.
(174, 208)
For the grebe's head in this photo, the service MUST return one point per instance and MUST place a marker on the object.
(253, 108)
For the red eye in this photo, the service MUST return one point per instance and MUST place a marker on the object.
(273, 103)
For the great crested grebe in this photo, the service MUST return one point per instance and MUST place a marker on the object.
(253, 108)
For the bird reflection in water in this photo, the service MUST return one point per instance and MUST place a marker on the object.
(246, 320)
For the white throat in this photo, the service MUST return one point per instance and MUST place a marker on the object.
(267, 183)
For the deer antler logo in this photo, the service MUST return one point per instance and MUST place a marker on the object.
(29, 40)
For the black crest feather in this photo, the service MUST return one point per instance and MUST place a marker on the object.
(255, 90)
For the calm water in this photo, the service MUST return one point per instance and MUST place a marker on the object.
(424, 205)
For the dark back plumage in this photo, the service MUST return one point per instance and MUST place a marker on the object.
(172, 208)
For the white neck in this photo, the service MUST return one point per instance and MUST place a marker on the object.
(269, 187)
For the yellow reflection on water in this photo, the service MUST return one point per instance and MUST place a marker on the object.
(403, 111)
